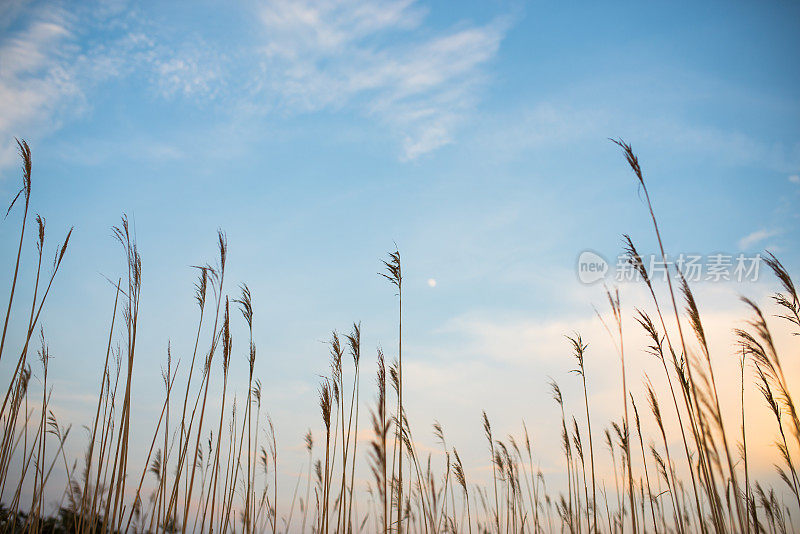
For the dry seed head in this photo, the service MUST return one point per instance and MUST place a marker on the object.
(653, 400)
(438, 432)
(782, 274)
(201, 286)
(613, 301)
(406, 441)
(556, 392)
(208, 360)
(251, 360)
(223, 250)
(622, 434)
(609, 441)
(155, 466)
(40, 222)
(578, 350)
(633, 161)
(789, 301)
(662, 468)
(499, 461)
(781, 473)
(52, 425)
(693, 313)
(272, 443)
(246, 305)
(354, 343)
(765, 502)
(394, 376)
(25, 154)
(166, 371)
(227, 341)
(458, 471)
(636, 416)
(576, 438)
(634, 259)
(325, 403)
(63, 250)
(527, 439)
(766, 391)
(393, 270)
(336, 357)
(647, 323)
(767, 350)
(24, 378)
(487, 427)
(381, 379)
(504, 451)
(264, 460)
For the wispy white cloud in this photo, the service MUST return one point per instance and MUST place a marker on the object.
(34, 81)
(756, 237)
(185, 76)
(190, 68)
(375, 56)
(49, 66)
(794, 178)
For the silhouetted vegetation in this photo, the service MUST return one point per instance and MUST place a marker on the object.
(217, 471)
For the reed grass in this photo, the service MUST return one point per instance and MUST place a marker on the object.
(217, 471)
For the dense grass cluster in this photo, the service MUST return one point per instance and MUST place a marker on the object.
(218, 472)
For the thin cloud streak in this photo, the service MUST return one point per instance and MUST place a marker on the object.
(334, 55)
(34, 82)
(756, 237)
(375, 59)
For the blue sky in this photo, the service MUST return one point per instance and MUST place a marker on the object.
(319, 133)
